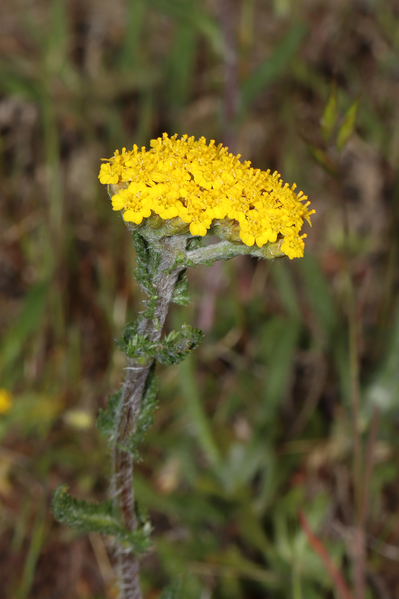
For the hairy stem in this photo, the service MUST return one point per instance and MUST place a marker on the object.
(225, 250)
(133, 388)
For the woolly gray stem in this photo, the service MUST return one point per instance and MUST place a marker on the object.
(173, 259)
(225, 250)
(132, 394)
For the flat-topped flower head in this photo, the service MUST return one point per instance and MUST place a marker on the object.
(203, 186)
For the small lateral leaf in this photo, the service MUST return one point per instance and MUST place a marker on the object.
(107, 419)
(321, 157)
(176, 346)
(181, 294)
(142, 273)
(84, 516)
(172, 349)
(348, 125)
(148, 405)
(330, 113)
(98, 517)
(145, 417)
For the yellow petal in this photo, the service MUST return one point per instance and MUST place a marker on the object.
(118, 202)
(132, 217)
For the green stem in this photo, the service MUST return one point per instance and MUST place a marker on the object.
(164, 281)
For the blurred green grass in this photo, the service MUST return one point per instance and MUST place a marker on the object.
(257, 425)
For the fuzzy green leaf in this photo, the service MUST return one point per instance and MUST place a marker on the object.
(107, 419)
(170, 350)
(98, 517)
(145, 417)
(177, 345)
(147, 266)
(148, 262)
(84, 516)
(194, 243)
(134, 345)
(181, 293)
(142, 261)
(148, 404)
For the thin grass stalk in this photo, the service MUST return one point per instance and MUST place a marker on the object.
(359, 553)
(360, 570)
(230, 97)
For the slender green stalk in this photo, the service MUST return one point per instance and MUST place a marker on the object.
(359, 544)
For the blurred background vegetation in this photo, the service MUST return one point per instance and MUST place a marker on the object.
(260, 426)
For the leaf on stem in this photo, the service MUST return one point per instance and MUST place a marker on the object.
(322, 158)
(147, 264)
(148, 405)
(348, 125)
(145, 417)
(330, 113)
(181, 293)
(107, 419)
(134, 345)
(178, 344)
(172, 349)
(98, 517)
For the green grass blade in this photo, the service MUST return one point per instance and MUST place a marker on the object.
(273, 66)
(27, 323)
(181, 66)
(196, 411)
(33, 553)
(188, 12)
(282, 278)
(319, 295)
(132, 50)
(280, 341)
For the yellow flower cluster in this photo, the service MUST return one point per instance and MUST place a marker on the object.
(203, 184)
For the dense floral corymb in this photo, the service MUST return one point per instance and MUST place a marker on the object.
(204, 185)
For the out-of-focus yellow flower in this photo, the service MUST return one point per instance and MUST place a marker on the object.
(5, 401)
(79, 419)
(204, 185)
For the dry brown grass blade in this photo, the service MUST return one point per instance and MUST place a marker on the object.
(335, 574)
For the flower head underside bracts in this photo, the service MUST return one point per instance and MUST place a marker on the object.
(203, 187)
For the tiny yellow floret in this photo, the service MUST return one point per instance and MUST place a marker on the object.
(5, 401)
(203, 184)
